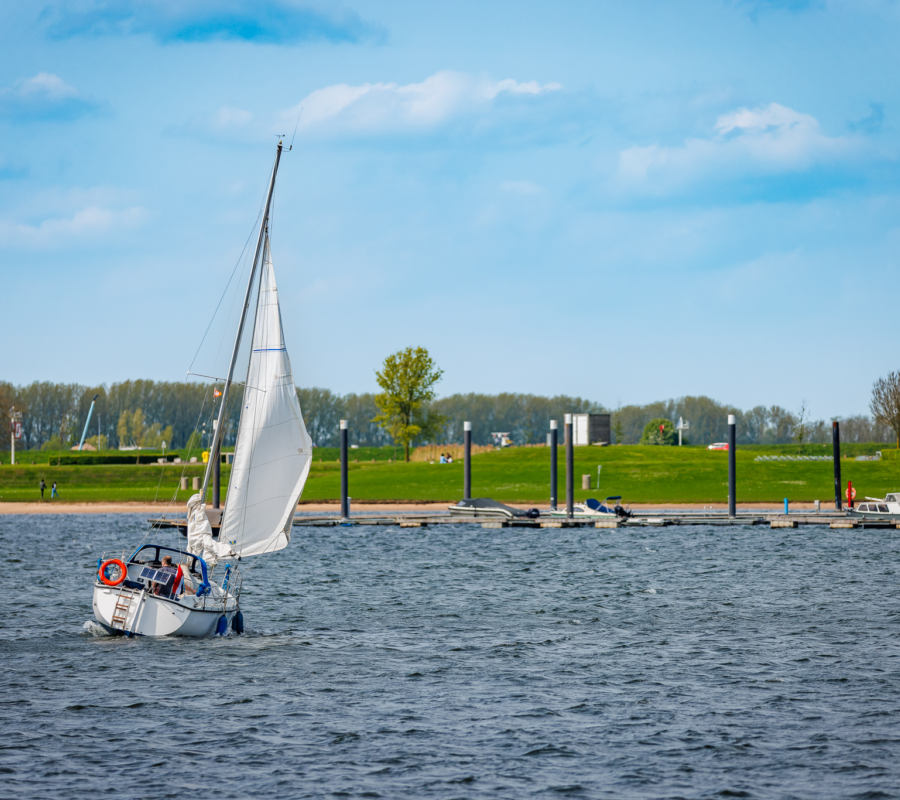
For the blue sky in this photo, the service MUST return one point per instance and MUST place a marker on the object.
(623, 201)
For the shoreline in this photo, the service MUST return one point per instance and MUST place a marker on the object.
(173, 511)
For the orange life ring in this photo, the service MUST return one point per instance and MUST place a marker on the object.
(122, 569)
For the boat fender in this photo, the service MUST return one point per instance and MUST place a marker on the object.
(222, 626)
(123, 571)
(237, 623)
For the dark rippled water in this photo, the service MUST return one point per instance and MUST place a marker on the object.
(455, 662)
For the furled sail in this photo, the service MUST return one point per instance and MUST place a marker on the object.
(273, 450)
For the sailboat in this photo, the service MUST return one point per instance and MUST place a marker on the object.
(160, 590)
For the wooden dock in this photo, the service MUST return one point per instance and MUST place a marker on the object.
(657, 520)
(833, 519)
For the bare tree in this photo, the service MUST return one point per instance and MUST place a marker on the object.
(885, 404)
(800, 428)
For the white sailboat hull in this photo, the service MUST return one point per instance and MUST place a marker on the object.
(149, 615)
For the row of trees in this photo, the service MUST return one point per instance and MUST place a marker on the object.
(144, 412)
(760, 425)
(141, 412)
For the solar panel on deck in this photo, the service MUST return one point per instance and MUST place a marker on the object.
(157, 575)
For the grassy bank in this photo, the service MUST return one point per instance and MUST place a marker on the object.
(517, 475)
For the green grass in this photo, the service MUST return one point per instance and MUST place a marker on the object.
(517, 475)
(93, 484)
(639, 474)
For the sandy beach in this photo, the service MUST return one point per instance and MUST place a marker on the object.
(160, 509)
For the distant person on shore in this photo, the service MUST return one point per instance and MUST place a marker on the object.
(449, 458)
(42, 485)
(53, 491)
(443, 459)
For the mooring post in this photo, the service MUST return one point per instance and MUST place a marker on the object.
(217, 471)
(554, 441)
(836, 445)
(732, 466)
(786, 507)
(467, 463)
(345, 505)
(570, 468)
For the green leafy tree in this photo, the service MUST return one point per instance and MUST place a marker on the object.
(155, 435)
(407, 382)
(98, 442)
(193, 441)
(659, 431)
(123, 428)
(53, 443)
(138, 426)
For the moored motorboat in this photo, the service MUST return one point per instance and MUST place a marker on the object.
(887, 509)
(485, 508)
(594, 509)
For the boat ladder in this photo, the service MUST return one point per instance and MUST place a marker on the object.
(123, 608)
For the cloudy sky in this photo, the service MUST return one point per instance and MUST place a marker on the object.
(623, 201)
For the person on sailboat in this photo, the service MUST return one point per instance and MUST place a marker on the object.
(165, 590)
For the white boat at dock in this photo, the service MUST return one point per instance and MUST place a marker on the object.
(173, 590)
(594, 509)
(874, 508)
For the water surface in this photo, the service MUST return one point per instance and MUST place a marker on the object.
(453, 662)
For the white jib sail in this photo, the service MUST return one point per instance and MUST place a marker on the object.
(273, 450)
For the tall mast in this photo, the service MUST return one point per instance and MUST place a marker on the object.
(217, 431)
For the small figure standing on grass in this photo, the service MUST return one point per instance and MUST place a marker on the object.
(53, 491)
(42, 485)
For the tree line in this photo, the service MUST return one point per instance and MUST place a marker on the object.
(759, 425)
(54, 415)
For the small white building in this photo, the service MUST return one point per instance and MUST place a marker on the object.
(590, 429)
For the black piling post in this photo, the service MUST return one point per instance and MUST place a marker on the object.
(570, 468)
(467, 463)
(345, 505)
(732, 466)
(836, 445)
(554, 441)
(217, 472)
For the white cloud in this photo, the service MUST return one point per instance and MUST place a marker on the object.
(44, 97)
(766, 141)
(48, 85)
(391, 107)
(87, 224)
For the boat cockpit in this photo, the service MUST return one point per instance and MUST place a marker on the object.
(145, 569)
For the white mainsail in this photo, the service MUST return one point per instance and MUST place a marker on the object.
(273, 450)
